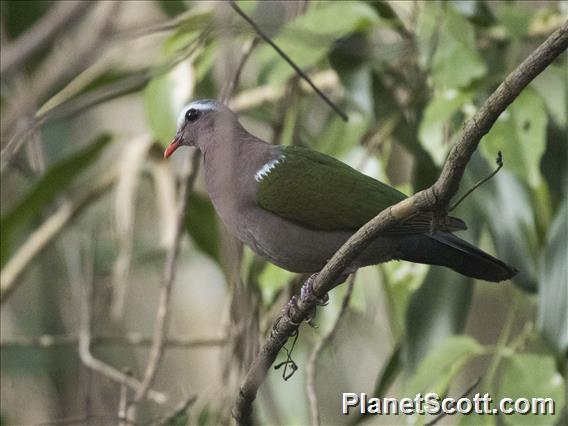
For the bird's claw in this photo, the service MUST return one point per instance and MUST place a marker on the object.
(307, 293)
(288, 309)
(307, 296)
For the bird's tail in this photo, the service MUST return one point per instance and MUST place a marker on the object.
(446, 249)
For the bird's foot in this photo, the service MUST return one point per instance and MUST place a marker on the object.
(307, 293)
(307, 296)
(287, 311)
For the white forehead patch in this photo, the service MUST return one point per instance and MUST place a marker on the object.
(201, 105)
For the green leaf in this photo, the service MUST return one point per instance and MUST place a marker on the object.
(201, 223)
(436, 310)
(532, 376)
(444, 360)
(437, 115)
(340, 136)
(181, 419)
(504, 204)
(451, 39)
(405, 132)
(553, 283)
(552, 85)
(520, 134)
(401, 280)
(171, 7)
(22, 16)
(350, 58)
(308, 38)
(515, 19)
(56, 180)
(164, 98)
(188, 28)
(271, 280)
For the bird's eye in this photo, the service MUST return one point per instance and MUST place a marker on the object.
(192, 114)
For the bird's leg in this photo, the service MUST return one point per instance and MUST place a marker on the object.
(287, 310)
(307, 296)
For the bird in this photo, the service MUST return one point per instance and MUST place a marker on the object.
(296, 207)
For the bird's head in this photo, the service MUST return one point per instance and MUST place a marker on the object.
(196, 123)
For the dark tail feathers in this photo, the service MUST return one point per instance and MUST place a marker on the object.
(446, 249)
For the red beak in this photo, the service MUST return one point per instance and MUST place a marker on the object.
(174, 144)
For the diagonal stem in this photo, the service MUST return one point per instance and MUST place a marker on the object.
(284, 56)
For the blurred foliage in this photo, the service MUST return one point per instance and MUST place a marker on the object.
(408, 74)
(53, 183)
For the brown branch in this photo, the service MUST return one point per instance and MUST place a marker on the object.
(436, 199)
(48, 341)
(284, 56)
(55, 21)
(326, 340)
(163, 312)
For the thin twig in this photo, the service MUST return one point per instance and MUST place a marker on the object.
(64, 64)
(453, 404)
(123, 400)
(88, 100)
(499, 162)
(61, 65)
(326, 340)
(283, 108)
(234, 83)
(68, 109)
(284, 56)
(435, 199)
(256, 96)
(56, 20)
(45, 234)
(48, 341)
(87, 358)
(163, 313)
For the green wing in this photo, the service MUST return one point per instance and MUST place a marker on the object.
(321, 192)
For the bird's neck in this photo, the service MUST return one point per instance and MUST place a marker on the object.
(230, 161)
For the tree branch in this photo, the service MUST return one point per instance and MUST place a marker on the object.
(436, 198)
(58, 109)
(55, 21)
(95, 364)
(47, 341)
